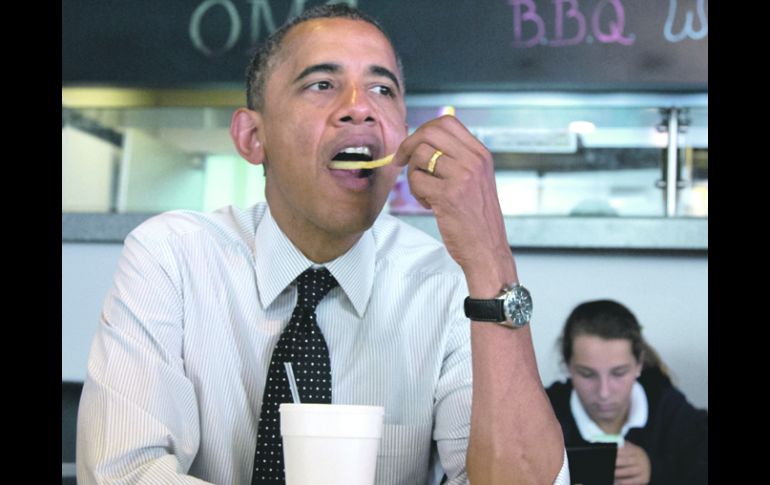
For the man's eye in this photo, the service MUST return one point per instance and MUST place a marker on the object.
(384, 90)
(320, 86)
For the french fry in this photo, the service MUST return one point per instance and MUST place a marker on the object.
(380, 162)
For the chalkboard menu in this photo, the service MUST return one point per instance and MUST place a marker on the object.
(458, 45)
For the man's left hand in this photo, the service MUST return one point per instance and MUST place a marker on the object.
(463, 196)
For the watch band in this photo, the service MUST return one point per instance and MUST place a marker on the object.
(484, 310)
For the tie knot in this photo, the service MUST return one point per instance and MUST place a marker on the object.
(313, 285)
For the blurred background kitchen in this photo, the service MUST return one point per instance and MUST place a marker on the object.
(596, 113)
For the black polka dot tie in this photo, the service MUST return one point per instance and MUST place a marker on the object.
(302, 344)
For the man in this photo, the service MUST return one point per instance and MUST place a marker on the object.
(181, 369)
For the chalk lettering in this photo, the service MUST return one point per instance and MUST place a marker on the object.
(261, 16)
(687, 28)
(260, 9)
(195, 27)
(529, 16)
(616, 27)
(566, 14)
(573, 12)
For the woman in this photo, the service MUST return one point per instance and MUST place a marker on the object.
(620, 391)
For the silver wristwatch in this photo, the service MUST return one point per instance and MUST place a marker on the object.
(512, 307)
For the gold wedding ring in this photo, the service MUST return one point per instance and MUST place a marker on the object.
(433, 160)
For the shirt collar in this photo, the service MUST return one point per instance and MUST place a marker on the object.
(278, 262)
(637, 415)
(591, 432)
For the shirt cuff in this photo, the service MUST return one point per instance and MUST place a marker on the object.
(563, 477)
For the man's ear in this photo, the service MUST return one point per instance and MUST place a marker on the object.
(246, 132)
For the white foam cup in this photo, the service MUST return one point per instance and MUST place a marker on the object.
(330, 444)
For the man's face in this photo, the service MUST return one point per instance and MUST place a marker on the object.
(334, 86)
(603, 372)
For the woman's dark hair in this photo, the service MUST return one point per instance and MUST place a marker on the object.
(608, 319)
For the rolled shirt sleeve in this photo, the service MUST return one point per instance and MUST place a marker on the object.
(138, 417)
(454, 393)
(563, 477)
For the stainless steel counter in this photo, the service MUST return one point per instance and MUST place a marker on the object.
(616, 233)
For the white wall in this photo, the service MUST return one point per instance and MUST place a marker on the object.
(86, 276)
(156, 176)
(86, 171)
(668, 294)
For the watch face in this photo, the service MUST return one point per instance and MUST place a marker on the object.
(518, 305)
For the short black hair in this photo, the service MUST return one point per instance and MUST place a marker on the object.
(262, 62)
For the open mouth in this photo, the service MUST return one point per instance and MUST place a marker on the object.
(356, 154)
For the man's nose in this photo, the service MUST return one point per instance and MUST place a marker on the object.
(355, 107)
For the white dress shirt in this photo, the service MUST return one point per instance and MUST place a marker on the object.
(591, 432)
(178, 364)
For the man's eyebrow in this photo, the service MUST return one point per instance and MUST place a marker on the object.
(384, 71)
(333, 68)
(327, 67)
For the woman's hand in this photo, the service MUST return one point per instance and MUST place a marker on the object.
(632, 465)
